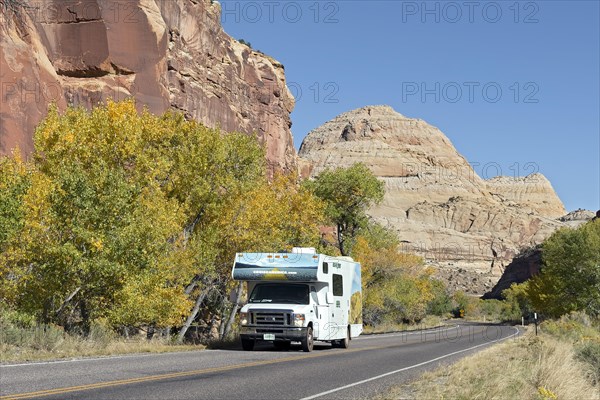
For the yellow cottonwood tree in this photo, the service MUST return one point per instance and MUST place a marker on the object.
(397, 286)
(119, 213)
(272, 216)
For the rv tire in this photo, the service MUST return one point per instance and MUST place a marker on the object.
(342, 343)
(345, 342)
(308, 340)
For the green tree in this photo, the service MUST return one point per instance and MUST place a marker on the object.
(348, 193)
(516, 302)
(570, 276)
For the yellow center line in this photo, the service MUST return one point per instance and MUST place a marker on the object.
(48, 392)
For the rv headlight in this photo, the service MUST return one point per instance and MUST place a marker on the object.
(299, 319)
(243, 318)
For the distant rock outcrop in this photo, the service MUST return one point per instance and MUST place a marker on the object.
(469, 227)
(578, 217)
(529, 262)
(167, 54)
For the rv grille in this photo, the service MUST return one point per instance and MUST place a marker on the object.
(270, 318)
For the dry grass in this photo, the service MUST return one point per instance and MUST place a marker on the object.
(21, 339)
(76, 348)
(427, 322)
(528, 367)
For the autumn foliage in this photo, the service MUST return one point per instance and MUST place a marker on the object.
(129, 217)
(398, 287)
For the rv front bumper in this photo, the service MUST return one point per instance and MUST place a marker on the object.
(272, 333)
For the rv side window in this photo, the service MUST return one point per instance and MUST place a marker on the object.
(338, 285)
(325, 268)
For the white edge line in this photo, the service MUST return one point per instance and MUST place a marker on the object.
(406, 368)
(404, 333)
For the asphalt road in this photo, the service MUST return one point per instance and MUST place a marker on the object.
(370, 365)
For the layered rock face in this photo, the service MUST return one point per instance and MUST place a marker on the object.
(469, 227)
(164, 53)
(529, 192)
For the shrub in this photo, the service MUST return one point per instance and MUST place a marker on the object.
(16, 318)
(40, 337)
(101, 332)
(574, 327)
(242, 41)
(589, 353)
(464, 305)
(517, 303)
(441, 304)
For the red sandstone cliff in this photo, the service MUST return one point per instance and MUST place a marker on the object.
(164, 53)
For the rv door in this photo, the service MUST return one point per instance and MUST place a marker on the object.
(338, 310)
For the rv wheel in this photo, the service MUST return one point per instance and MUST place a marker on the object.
(248, 344)
(345, 343)
(342, 343)
(308, 341)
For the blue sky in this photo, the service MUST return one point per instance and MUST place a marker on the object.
(514, 85)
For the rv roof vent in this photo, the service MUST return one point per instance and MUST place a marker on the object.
(304, 250)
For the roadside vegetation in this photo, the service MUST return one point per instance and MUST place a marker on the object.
(563, 361)
(430, 321)
(23, 339)
(559, 363)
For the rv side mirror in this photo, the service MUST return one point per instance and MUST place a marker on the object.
(329, 298)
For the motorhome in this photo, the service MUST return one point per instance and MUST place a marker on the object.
(301, 297)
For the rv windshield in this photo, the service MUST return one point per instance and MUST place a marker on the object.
(279, 293)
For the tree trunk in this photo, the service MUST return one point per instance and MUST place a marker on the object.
(222, 322)
(236, 304)
(341, 239)
(67, 300)
(193, 314)
(85, 319)
(150, 332)
(189, 288)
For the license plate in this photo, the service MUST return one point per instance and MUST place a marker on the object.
(269, 336)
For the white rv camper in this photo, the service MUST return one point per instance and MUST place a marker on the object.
(299, 297)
